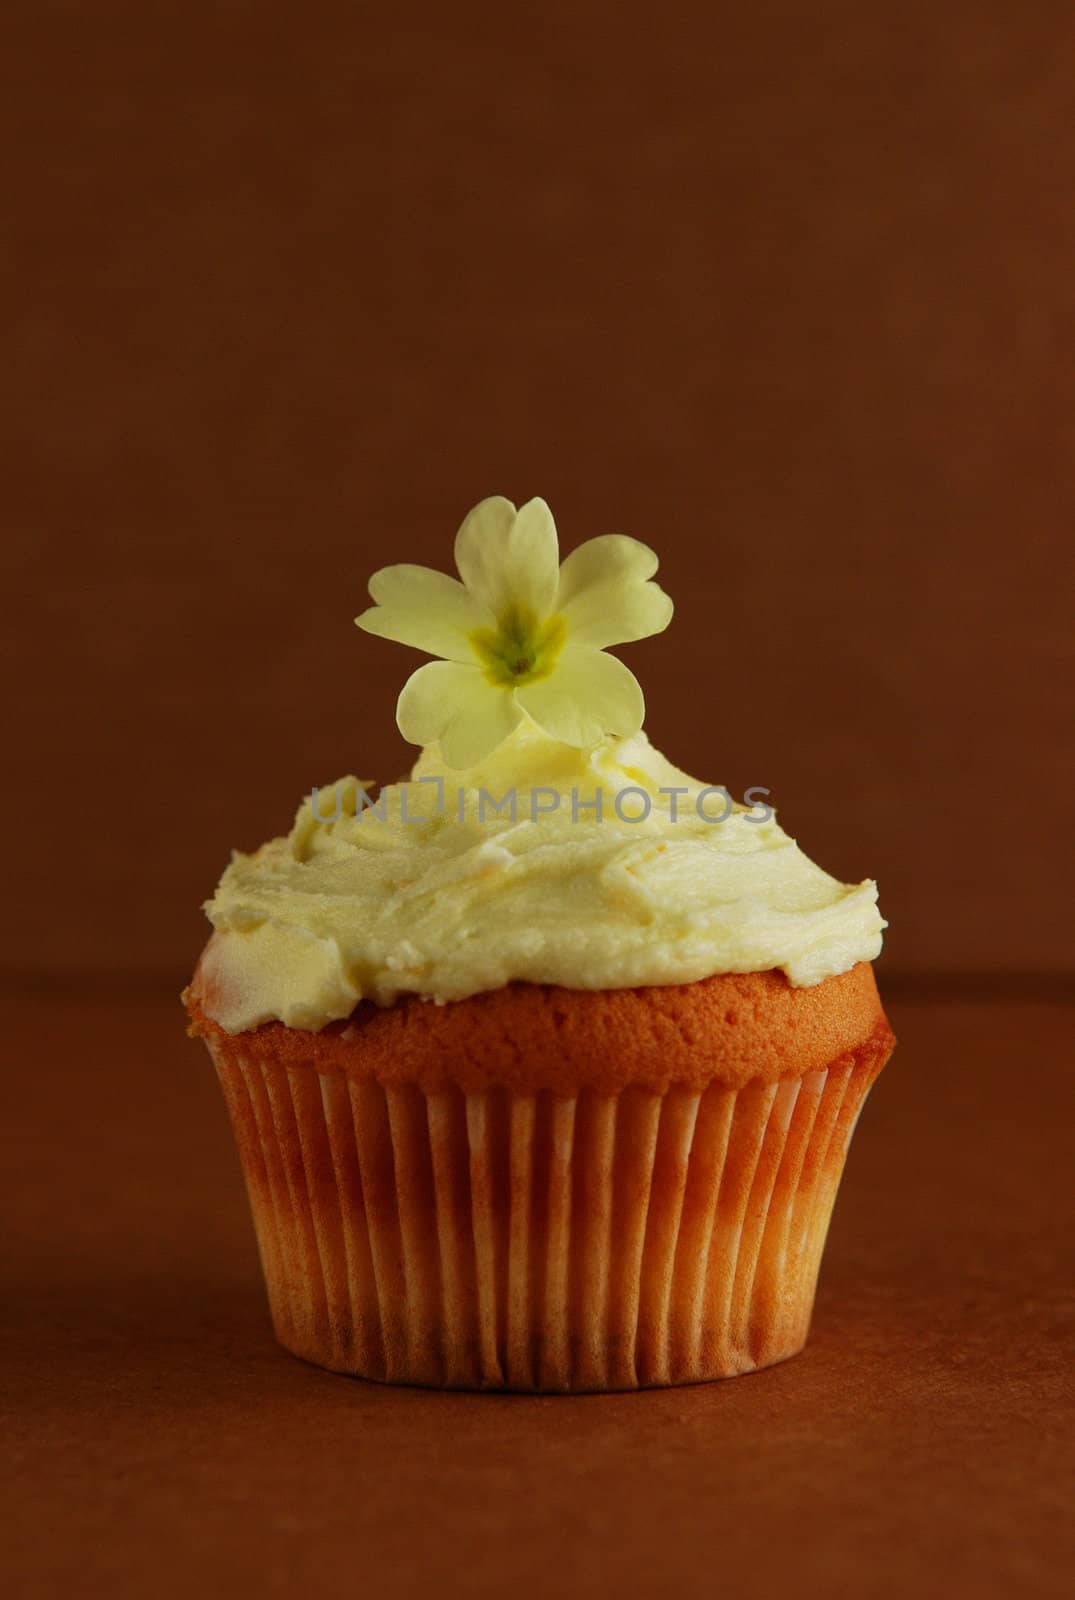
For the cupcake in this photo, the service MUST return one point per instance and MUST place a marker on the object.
(543, 1063)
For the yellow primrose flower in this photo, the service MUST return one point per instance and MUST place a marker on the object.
(521, 635)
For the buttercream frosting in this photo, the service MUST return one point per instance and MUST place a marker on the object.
(455, 883)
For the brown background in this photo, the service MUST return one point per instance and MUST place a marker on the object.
(787, 291)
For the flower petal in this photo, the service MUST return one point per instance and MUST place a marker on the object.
(604, 597)
(479, 728)
(613, 555)
(616, 613)
(426, 609)
(479, 545)
(534, 558)
(453, 703)
(587, 696)
(509, 559)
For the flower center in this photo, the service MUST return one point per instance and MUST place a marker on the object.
(520, 649)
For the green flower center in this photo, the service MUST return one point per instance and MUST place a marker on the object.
(520, 649)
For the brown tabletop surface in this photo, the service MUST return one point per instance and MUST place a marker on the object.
(159, 1443)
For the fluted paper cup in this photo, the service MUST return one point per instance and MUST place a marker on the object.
(496, 1239)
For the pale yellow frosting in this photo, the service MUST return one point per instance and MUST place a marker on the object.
(373, 904)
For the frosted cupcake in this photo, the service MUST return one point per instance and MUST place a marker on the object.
(542, 1065)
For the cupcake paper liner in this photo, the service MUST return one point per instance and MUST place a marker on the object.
(527, 1241)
